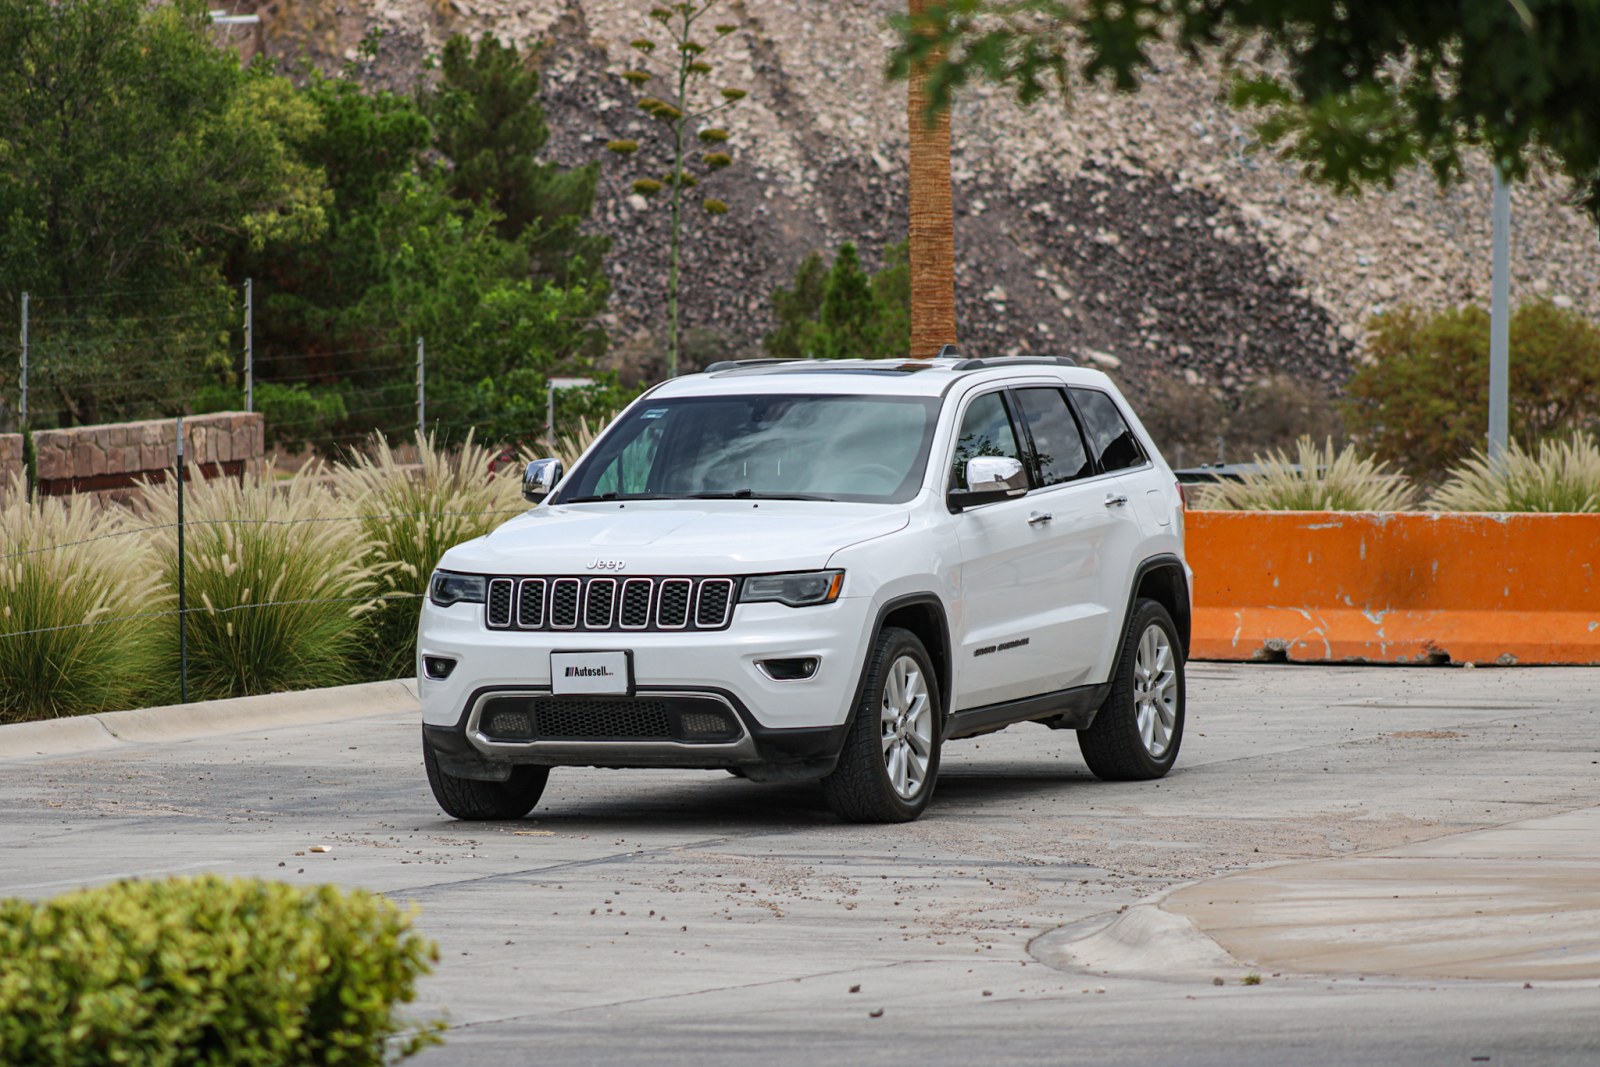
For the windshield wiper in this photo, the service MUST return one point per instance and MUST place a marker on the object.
(747, 494)
(591, 499)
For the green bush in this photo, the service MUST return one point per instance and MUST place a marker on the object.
(1562, 476)
(1317, 479)
(209, 971)
(73, 571)
(1423, 402)
(409, 517)
(278, 577)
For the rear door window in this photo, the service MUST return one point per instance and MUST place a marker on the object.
(1111, 441)
(1059, 454)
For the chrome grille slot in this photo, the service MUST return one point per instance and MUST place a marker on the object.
(636, 603)
(713, 603)
(598, 600)
(530, 603)
(497, 610)
(672, 604)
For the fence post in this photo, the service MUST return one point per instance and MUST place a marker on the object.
(249, 349)
(183, 604)
(422, 401)
(22, 409)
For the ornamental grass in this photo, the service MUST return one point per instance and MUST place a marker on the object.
(1317, 479)
(1562, 476)
(78, 585)
(410, 514)
(278, 576)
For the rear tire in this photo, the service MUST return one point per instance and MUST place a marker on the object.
(474, 800)
(890, 761)
(1136, 735)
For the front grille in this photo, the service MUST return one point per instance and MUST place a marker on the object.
(685, 719)
(598, 604)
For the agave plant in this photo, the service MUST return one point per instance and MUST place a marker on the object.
(1317, 479)
(278, 579)
(1561, 476)
(409, 515)
(77, 592)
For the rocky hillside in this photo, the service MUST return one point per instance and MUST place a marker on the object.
(1139, 232)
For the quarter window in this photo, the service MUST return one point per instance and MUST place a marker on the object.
(1059, 454)
(1111, 442)
(985, 431)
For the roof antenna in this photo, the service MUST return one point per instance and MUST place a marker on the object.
(949, 352)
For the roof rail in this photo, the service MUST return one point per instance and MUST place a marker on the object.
(990, 362)
(735, 364)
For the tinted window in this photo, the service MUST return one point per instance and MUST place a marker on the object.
(862, 449)
(1110, 440)
(1059, 455)
(985, 431)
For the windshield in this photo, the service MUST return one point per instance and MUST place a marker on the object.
(863, 449)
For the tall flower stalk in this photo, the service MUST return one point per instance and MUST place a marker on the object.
(676, 59)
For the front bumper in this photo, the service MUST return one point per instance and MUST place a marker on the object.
(785, 729)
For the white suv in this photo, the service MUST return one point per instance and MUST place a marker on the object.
(819, 570)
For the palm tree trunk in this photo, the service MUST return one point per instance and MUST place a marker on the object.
(932, 228)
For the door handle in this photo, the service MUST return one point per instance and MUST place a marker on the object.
(1115, 501)
(1039, 518)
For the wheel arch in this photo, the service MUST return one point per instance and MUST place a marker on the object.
(923, 614)
(1163, 579)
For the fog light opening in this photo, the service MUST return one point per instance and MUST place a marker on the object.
(438, 667)
(797, 669)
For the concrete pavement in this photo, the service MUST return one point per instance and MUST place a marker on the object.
(687, 917)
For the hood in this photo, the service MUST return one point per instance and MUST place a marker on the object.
(656, 537)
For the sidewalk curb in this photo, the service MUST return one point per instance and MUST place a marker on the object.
(176, 723)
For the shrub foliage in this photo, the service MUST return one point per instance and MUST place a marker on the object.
(1423, 402)
(209, 971)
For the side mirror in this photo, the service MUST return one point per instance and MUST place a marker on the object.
(989, 479)
(541, 479)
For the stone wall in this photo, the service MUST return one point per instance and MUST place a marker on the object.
(110, 460)
(10, 457)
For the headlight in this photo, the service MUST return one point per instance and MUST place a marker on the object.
(795, 590)
(449, 588)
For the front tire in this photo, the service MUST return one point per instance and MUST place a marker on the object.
(1136, 735)
(474, 800)
(890, 761)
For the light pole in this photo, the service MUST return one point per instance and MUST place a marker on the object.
(1500, 321)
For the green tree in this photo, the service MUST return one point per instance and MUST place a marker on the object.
(1355, 92)
(132, 151)
(841, 312)
(1420, 402)
(500, 308)
(490, 125)
(683, 106)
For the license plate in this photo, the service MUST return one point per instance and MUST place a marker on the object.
(607, 673)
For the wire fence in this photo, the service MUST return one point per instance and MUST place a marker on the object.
(89, 352)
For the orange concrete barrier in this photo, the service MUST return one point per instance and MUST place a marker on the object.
(1397, 587)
